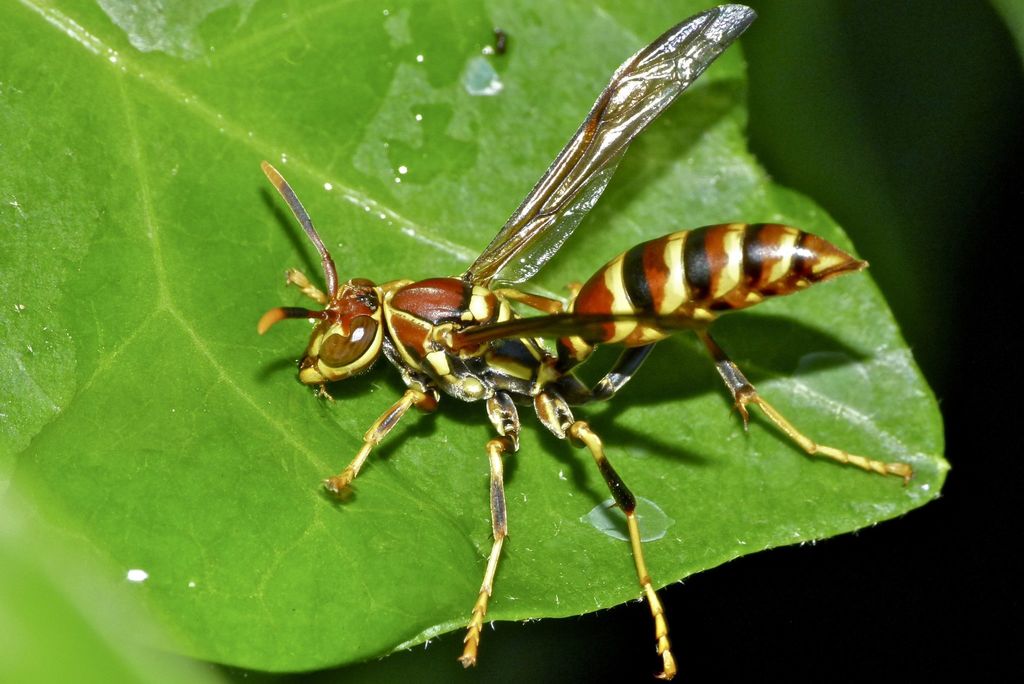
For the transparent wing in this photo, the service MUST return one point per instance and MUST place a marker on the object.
(639, 91)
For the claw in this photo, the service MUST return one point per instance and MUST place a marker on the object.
(901, 470)
(340, 483)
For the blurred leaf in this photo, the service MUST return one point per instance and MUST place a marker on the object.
(143, 244)
(1012, 12)
(60, 625)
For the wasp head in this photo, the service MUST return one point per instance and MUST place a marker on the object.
(348, 340)
(349, 335)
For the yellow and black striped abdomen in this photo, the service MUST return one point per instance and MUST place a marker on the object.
(699, 273)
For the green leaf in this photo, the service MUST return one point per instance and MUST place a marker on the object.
(51, 604)
(143, 414)
(1013, 15)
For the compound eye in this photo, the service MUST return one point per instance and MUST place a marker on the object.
(338, 351)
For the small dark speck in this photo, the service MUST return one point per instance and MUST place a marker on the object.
(500, 41)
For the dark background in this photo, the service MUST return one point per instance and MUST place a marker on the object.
(904, 121)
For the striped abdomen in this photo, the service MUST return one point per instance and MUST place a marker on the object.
(700, 273)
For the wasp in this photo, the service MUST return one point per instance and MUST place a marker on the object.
(460, 336)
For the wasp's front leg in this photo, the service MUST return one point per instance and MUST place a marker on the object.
(299, 280)
(423, 399)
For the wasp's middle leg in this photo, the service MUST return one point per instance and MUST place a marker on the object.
(554, 412)
(505, 419)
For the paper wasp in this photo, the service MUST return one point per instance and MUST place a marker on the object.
(460, 336)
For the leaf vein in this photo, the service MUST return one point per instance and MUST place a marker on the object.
(205, 112)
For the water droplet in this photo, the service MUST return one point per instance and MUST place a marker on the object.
(137, 575)
(403, 169)
(284, 158)
(419, 117)
(480, 78)
(607, 518)
(150, 27)
(419, 58)
(191, 585)
(822, 360)
(328, 187)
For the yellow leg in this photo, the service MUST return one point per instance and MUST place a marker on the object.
(657, 612)
(538, 302)
(744, 393)
(581, 433)
(812, 448)
(381, 427)
(298, 279)
(499, 525)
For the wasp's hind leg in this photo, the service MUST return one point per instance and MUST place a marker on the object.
(625, 368)
(424, 400)
(554, 412)
(744, 393)
(505, 419)
(534, 301)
